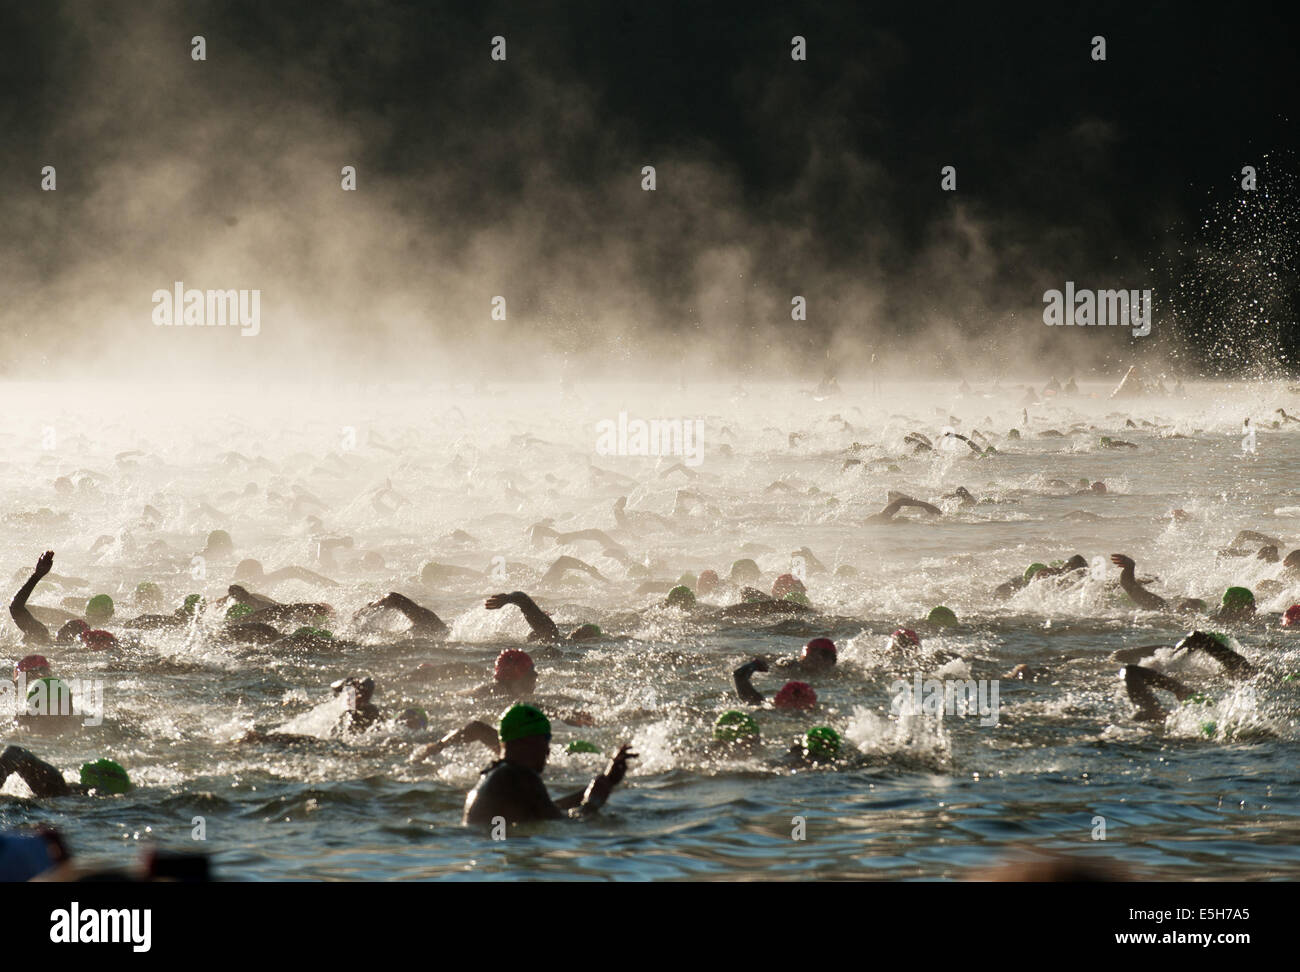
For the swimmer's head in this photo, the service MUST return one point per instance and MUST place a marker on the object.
(307, 632)
(49, 696)
(586, 632)
(525, 735)
(97, 639)
(248, 570)
(795, 695)
(105, 776)
(1076, 562)
(736, 727)
(515, 671)
(33, 666)
(99, 608)
(821, 744)
(1238, 602)
(744, 571)
(1290, 619)
(818, 653)
(237, 611)
(148, 595)
(1033, 569)
(1098, 487)
(688, 580)
(709, 582)
(942, 617)
(71, 631)
(363, 688)
(798, 597)
(1292, 561)
(905, 638)
(681, 596)
(219, 544)
(786, 584)
(414, 718)
(193, 605)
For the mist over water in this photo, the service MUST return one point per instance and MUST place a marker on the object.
(928, 796)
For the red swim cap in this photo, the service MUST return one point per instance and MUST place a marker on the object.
(707, 583)
(819, 649)
(1291, 619)
(795, 695)
(32, 665)
(512, 664)
(906, 636)
(786, 584)
(97, 639)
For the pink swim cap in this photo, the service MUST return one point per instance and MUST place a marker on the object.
(512, 664)
(819, 649)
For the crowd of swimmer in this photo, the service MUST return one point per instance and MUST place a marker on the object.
(511, 788)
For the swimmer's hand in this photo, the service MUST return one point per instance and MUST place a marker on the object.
(1123, 560)
(758, 665)
(497, 601)
(44, 563)
(598, 792)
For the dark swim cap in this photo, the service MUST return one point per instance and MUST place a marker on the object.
(99, 608)
(819, 649)
(735, 726)
(523, 722)
(71, 631)
(681, 596)
(105, 776)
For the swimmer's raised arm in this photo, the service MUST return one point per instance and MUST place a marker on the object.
(1136, 592)
(741, 677)
(565, 564)
(41, 778)
(471, 732)
(33, 631)
(423, 621)
(1233, 664)
(1139, 683)
(543, 627)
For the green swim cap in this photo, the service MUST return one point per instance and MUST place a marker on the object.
(1199, 698)
(942, 616)
(1105, 440)
(1238, 598)
(147, 589)
(581, 746)
(688, 579)
(681, 596)
(822, 742)
(1209, 728)
(585, 632)
(106, 776)
(735, 726)
(799, 597)
(308, 631)
(1033, 569)
(193, 602)
(523, 722)
(237, 611)
(54, 691)
(99, 608)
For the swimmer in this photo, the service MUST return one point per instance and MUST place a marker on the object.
(252, 570)
(543, 628)
(424, 623)
(896, 502)
(1136, 592)
(512, 787)
(100, 778)
(34, 633)
(793, 695)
